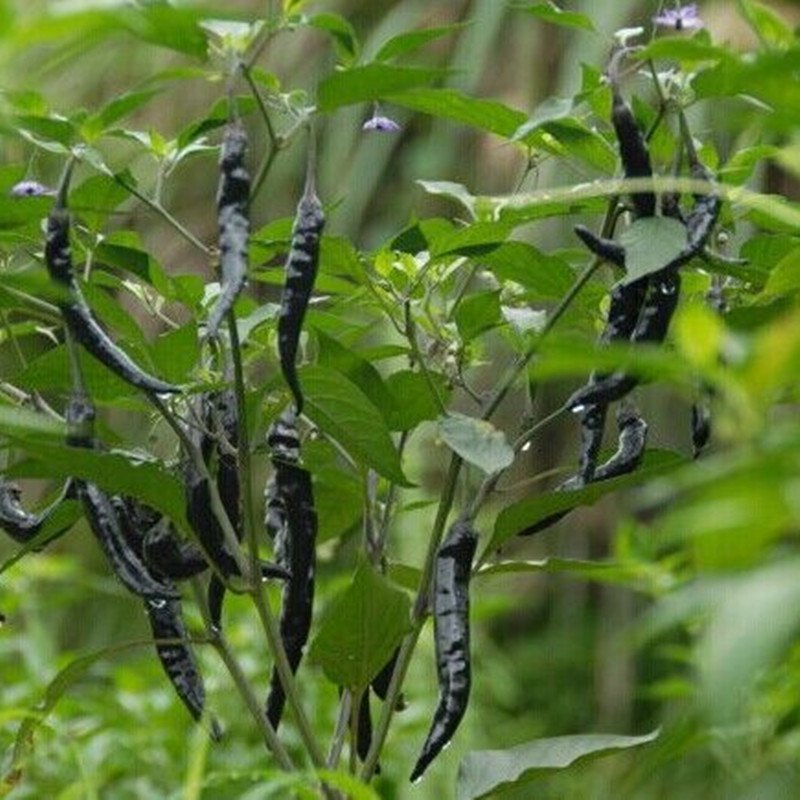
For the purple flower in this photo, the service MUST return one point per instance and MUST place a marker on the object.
(377, 122)
(29, 189)
(682, 18)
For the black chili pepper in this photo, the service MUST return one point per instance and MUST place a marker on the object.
(177, 658)
(632, 146)
(295, 543)
(630, 451)
(451, 636)
(301, 271)
(169, 555)
(233, 198)
(78, 316)
(21, 525)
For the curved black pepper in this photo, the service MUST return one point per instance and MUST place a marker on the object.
(301, 271)
(21, 525)
(631, 445)
(78, 316)
(451, 635)
(233, 198)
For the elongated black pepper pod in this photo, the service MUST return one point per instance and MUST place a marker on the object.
(364, 729)
(22, 525)
(233, 199)
(102, 514)
(606, 249)
(177, 658)
(301, 271)
(295, 544)
(632, 146)
(167, 554)
(77, 315)
(451, 636)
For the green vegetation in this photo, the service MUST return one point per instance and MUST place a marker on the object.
(643, 644)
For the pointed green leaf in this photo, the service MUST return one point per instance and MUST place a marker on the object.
(342, 410)
(409, 41)
(484, 772)
(476, 441)
(553, 13)
(371, 82)
(650, 244)
(361, 629)
(520, 516)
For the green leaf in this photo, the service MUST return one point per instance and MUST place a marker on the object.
(22, 423)
(337, 357)
(478, 313)
(361, 629)
(679, 48)
(486, 771)
(553, 108)
(342, 410)
(118, 251)
(64, 680)
(520, 516)
(413, 400)
(95, 199)
(541, 274)
(551, 12)
(650, 244)
(176, 353)
(486, 115)
(371, 82)
(342, 32)
(115, 472)
(407, 42)
(768, 24)
(476, 441)
(648, 577)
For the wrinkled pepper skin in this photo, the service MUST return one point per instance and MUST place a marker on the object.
(451, 636)
(301, 272)
(292, 521)
(233, 199)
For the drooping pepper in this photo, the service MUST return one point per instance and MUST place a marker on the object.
(292, 522)
(233, 199)
(301, 271)
(78, 317)
(451, 636)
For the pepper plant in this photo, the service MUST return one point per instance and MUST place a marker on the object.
(313, 468)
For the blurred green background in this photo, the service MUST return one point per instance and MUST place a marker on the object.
(554, 653)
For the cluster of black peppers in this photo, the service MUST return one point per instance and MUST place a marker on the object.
(149, 557)
(141, 546)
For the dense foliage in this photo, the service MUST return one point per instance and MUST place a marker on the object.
(374, 391)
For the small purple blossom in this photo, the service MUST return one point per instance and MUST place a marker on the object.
(381, 123)
(29, 189)
(682, 18)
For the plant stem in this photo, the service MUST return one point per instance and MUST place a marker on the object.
(154, 205)
(446, 502)
(217, 507)
(340, 732)
(286, 675)
(411, 335)
(220, 644)
(265, 614)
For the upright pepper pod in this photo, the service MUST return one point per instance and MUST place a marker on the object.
(301, 272)
(77, 315)
(233, 199)
(451, 636)
(292, 521)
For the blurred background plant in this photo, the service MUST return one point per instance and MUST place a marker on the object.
(675, 607)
